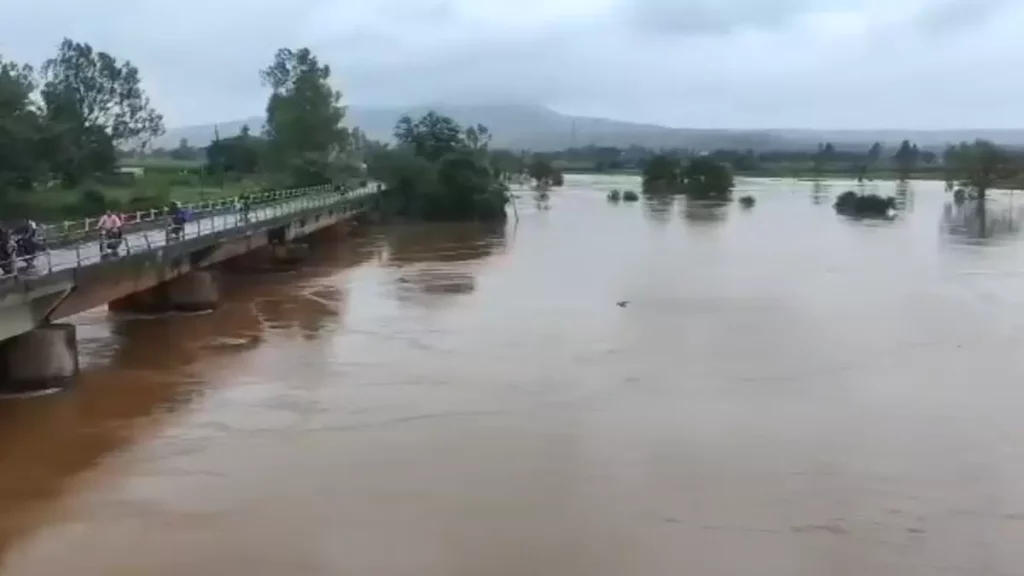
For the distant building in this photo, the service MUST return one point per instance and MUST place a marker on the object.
(135, 171)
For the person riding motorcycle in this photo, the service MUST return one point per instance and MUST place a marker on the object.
(110, 222)
(8, 252)
(244, 205)
(178, 219)
(110, 231)
(27, 242)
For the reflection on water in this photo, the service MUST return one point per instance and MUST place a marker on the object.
(783, 392)
(820, 192)
(658, 208)
(140, 371)
(422, 257)
(904, 196)
(703, 211)
(976, 220)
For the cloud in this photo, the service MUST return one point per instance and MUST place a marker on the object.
(725, 63)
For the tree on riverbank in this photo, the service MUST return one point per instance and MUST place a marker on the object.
(91, 104)
(60, 128)
(305, 135)
(438, 171)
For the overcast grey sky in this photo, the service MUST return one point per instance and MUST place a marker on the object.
(700, 63)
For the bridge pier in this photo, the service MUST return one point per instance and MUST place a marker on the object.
(44, 359)
(194, 291)
(269, 258)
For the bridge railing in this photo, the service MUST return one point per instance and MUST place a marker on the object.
(89, 251)
(70, 231)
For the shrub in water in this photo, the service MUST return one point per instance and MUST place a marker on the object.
(614, 195)
(630, 196)
(747, 201)
(850, 203)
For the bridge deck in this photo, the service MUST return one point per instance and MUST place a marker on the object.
(88, 251)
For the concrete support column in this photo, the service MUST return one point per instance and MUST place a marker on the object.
(195, 291)
(268, 259)
(43, 359)
(289, 254)
(150, 301)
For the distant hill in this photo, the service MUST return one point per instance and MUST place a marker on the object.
(540, 128)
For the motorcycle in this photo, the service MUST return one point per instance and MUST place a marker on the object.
(26, 247)
(176, 228)
(110, 243)
(8, 256)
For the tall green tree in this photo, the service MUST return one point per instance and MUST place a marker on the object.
(304, 130)
(106, 94)
(239, 154)
(825, 155)
(20, 128)
(437, 172)
(874, 154)
(478, 137)
(981, 166)
(432, 136)
(906, 158)
(92, 104)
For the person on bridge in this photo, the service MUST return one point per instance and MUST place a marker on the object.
(178, 219)
(110, 222)
(8, 252)
(110, 232)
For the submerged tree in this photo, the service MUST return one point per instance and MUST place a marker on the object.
(980, 166)
(544, 173)
(705, 179)
(662, 174)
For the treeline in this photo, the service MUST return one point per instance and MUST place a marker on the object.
(906, 161)
(64, 126)
(62, 123)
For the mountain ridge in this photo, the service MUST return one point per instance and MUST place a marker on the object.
(539, 128)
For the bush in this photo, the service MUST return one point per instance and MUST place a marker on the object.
(614, 195)
(747, 201)
(850, 203)
(630, 196)
(92, 201)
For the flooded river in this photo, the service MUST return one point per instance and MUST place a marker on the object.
(780, 392)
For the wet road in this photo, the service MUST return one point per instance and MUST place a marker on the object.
(785, 393)
(89, 252)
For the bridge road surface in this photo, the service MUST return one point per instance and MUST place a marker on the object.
(88, 252)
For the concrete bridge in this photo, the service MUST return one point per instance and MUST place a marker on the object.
(154, 273)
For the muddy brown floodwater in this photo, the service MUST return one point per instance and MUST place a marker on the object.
(784, 392)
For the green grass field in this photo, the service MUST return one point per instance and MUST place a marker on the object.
(126, 195)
